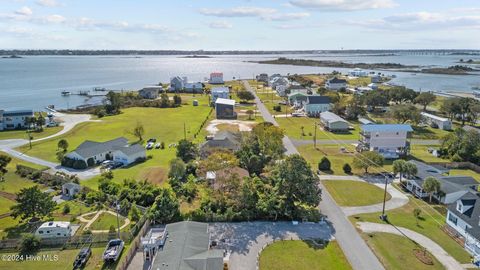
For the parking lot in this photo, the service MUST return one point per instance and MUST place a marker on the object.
(244, 240)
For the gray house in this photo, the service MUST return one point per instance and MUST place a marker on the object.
(71, 189)
(188, 248)
(177, 83)
(224, 140)
(333, 122)
(225, 108)
(150, 92)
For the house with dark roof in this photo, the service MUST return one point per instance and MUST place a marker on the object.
(463, 216)
(14, 119)
(224, 140)
(316, 105)
(188, 248)
(451, 187)
(336, 84)
(118, 149)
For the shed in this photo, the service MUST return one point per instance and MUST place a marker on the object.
(436, 121)
(333, 122)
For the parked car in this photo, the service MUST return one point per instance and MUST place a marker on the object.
(113, 250)
(157, 146)
(82, 258)
(149, 145)
(152, 140)
(52, 124)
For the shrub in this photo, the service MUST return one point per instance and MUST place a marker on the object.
(79, 165)
(347, 168)
(324, 164)
(112, 229)
(30, 244)
(90, 162)
(277, 108)
(162, 145)
(66, 209)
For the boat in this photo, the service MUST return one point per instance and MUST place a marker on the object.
(113, 250)
(65, 93)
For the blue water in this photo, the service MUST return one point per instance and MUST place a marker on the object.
(36, 81)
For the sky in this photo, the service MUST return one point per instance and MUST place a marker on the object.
(239, 24)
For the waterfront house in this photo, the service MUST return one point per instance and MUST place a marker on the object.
(451, 187)
(463, 218)
(219, 92)
(389, 140)
(316, 105)
(357, 72)
(188, 247)
(70, 189)
(118, 150)
(333, 122)
(223, 140)
(196, 87)
(216, 78)
(279, 81)
(376, 78)
(297, 99)
(177, 83)
(263, 77)
(336, 84)
(14, 119)
(150, 92)
(436, 121)
(225, 108)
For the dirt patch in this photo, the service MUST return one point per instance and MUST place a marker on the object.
(423, 256)
(214, 126)
(155, 175)
(8, 196)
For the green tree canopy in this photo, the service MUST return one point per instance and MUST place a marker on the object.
(166, 207)
(431, 185)
(33, 203)
(425, 99)
(186, 150)
(405, 113)
(365, 160)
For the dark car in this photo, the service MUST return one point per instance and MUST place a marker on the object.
(152, 140)
(82, 258)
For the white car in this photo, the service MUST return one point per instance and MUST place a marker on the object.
(149, 145)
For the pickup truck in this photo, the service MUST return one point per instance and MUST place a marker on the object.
(113, 250)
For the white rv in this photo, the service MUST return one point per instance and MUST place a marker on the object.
(54, 229)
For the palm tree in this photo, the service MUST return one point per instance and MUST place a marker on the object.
(399, 168)
(431, 185)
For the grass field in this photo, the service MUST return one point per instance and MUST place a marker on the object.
(293, 128)
(354, 193)
(396, 252)
(105, 220)
(13, 182)
(76, 209)
(165, 125)
(429, 225)
(64, 261)
(5, 205)
(22, 134)
(301, 255)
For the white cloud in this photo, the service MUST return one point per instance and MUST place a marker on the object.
(24, 11)
(220, 25)
(48, 3)
(91, 24)
(54, 18)
(286, 16)
(238, 12)
(343, 5)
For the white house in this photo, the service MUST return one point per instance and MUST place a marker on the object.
(219, 92)
(463, 217)
(177, 83)
(357, 72)
(150, 92)
(118, 149)
(314, 105)
(216, 78)
(390, 140)
(436, 121)
(278, 81)
(54, 229)
(14, 119)
(70, 189)
(196, 87)
(375, 78)
(336, 84)
(333, 122)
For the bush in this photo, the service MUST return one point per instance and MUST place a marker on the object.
(112, 229)
(79, 165)
(162, 145)
(277, 108)
(30, 244)
(324, 164)
(66, 209)
(347, 168)
(90, 162)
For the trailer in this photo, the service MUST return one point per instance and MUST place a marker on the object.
(113, 250)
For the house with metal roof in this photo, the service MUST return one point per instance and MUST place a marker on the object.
(219, 92)
(463, 217)
(314, 105)
(365, 121)
(389, 140)
(451, 187)
(118, 149)
(333, 122)
(436, 121)
(188, 248)
(14, 119)
(225, 108)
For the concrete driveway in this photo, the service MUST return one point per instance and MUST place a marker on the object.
(244, 240)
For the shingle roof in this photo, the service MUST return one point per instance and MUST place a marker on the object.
(337, 80)
(187, 248)
(130, 149)
(318, 99)
(472, 215)
(221, 89)
(18, 113)
(223, 139)
(90, 148)
(386, 127)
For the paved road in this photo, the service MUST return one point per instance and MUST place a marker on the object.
(442, 256)
(355, 249)
(297, 142)
(245, 240)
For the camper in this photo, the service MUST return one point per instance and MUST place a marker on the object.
(53, 229)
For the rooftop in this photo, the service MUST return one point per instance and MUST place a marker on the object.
(337, 80)
(225, 101)
(55, 224)
(220, 89)
(318, 99)
(18, 113)
(434, 117)
(386, 127)
(331, 117)
(90, 148)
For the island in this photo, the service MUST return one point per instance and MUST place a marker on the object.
(12, 57)
(330, 63)
(196, 56)
(452, 70)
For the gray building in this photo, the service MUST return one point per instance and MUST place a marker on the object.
(333, 122)
(188, 248)
(225, 108)
(224, 140)
(150, 92)
(14, 119)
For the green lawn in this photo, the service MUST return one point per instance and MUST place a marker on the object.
(105, 220)
(164, 124)
(5, 205)
(65, 260)
(22, 134)
(354, 193)
(13, 182)
(396, 252)
(421, 152)
(429, 225)
(76, 209)
(360, 81)
(428, 133)
(293, 128)
(465, 172)
(302, 255)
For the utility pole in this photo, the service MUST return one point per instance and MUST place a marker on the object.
(29, 138)
(384, 216)
(184, 131)
(117, 207)
(315, 135)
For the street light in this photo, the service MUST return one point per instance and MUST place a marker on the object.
(383, 216)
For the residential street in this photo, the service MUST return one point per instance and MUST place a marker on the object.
(356, 250)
